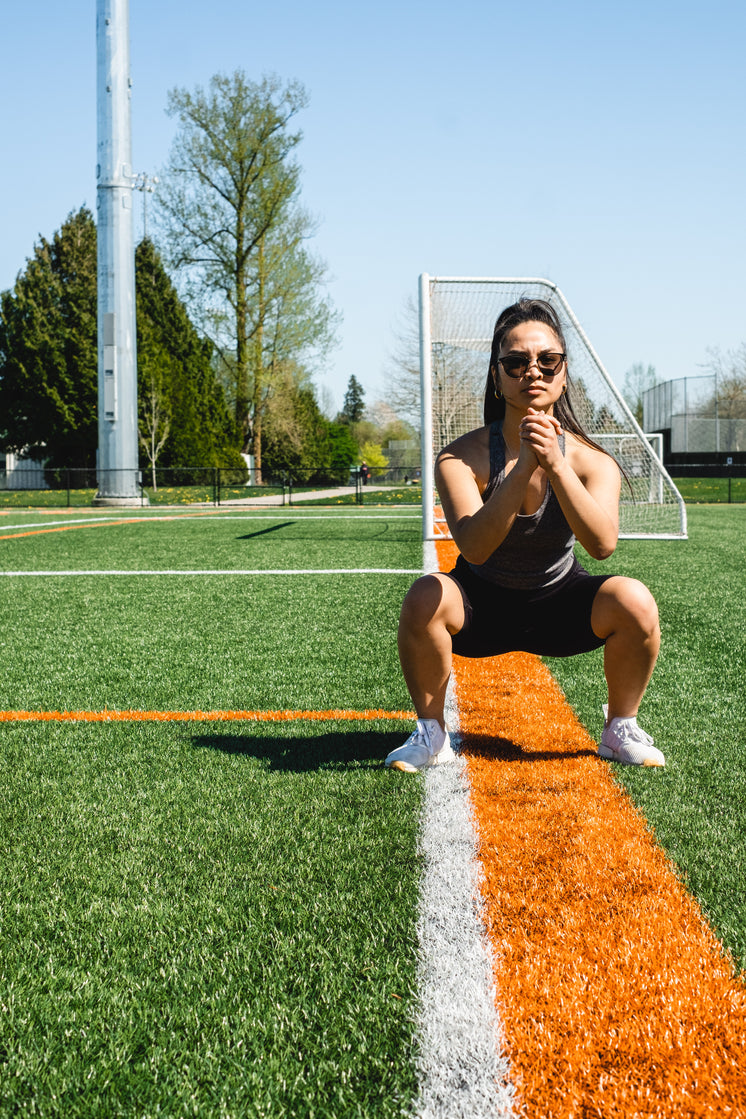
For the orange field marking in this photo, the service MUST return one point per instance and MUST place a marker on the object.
(616, 997)
(102, 524)
(106, 716)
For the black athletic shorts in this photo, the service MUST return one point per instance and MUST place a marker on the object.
(554, 622)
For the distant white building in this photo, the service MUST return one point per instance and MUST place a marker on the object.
(21, 473)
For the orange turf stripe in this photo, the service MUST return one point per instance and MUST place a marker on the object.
(616, 997)
(333, 715)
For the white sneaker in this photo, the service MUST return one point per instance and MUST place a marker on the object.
(428, 745)
(623, 741)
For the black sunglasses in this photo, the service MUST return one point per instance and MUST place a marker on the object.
(517, 365)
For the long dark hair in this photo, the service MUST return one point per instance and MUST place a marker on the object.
(531, 310)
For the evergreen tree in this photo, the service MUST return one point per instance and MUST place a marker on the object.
(48, 360)
(177, 387)
(353, 408)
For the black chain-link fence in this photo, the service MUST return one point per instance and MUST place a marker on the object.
(710, 483)
(37, 487)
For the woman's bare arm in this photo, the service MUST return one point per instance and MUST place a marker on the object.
(586, 482)
(461, 474)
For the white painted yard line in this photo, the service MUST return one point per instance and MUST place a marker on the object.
(295, 515)
(463, 1071)
(53, 524)
(228, 571)
(303, 516)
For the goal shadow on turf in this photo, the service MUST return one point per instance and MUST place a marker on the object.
(301, 754)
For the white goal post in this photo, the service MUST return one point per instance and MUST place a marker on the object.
(457, 317)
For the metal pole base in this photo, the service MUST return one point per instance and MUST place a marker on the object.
(100, 501)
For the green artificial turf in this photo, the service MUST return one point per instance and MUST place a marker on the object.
(219, 919)
(695, 708)
(206, 921)
(236, 541)
(191, 642)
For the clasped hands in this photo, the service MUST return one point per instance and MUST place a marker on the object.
(538, 432)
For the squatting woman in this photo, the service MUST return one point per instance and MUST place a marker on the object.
(517, 494)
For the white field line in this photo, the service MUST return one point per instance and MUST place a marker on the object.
(296, 515)
(301, 515)
(52, 524)
(229, 571)
(463, 1071)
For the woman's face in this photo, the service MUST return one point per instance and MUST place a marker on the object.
(533, 385)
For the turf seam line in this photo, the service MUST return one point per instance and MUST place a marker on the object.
(462, 1070)
(227, 571)
(294, 517)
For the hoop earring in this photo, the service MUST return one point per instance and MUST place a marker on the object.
(498, 394)
(564, 388)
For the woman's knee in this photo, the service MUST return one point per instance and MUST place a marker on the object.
(624, 602)
(431, 599)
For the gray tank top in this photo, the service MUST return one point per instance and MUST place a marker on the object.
(538, 550)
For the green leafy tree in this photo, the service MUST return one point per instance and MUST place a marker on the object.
(48, 360)
(233, 227)
(342, 450)
(290, 318)
(301, 441)
(374, 456)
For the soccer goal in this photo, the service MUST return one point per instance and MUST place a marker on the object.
(457, 317)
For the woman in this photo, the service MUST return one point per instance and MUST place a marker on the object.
(517, 493)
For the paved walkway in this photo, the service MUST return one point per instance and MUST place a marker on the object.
(305, 495)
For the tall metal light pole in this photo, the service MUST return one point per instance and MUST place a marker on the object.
(117, 359)
(146, 184)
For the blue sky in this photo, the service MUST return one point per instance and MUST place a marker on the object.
(599, 145)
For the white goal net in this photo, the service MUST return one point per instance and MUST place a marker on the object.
(457, 317)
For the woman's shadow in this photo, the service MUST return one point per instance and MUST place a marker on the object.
(305, 752)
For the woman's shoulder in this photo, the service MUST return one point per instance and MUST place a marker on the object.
(587, 460)
(473, 445)
(465, 461)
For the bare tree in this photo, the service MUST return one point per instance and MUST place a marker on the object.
(154, 421)
(637, 380)
(403, 366)
(458, 379)
(727, 403)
